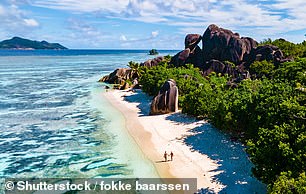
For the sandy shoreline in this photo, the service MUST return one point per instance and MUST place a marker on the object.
(157, 134)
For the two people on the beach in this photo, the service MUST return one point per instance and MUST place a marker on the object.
(166, 155)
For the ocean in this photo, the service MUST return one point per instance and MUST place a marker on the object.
(54, 121)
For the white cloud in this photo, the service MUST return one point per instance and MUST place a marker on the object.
(114, 6)
(15, 21)
(84, 34)
(2, 12)
(31, 22)
(123, 38)
(259, 17)
(154, 34)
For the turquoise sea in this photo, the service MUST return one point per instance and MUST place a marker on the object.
(54, 122)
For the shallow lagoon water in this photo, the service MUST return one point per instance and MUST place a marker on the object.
(53, 122)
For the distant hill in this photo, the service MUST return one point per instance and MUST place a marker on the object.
(21, 43)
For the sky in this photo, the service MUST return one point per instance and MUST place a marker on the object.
(146, 24)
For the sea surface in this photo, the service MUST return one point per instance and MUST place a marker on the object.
(54, 121)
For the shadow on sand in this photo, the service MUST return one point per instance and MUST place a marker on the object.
(234, 170)
(143, 100)
(234, 165)
(181, 119)
(162, 161)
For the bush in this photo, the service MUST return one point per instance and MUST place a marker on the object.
(289, 49)
(268, 113)
(286, 184)
(187, 78)
(262, 68)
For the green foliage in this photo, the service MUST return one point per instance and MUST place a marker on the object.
(187, 79)
(262, 68)
(289, 49)
(129, 82)
(133, 65)
(268, 114)
(231, 64)
(167, 58)
(283, 144)
(286, 184)
(203, 101)
(136, 68)
(292, 71)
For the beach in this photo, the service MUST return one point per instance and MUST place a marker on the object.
(159, 133)
(156, 134)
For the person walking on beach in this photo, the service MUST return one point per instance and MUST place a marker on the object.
(171, 155)
(165, 156)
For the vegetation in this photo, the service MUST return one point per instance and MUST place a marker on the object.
(289, 49)
(262, 68)
(267, 114)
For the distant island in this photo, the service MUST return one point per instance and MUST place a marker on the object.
(21, 43)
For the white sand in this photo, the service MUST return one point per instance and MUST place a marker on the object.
(157, 134)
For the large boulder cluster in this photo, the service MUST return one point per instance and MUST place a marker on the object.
(223, 52)
(152, 62)
(120, 78)
(221, 48)
(224, 45)
(191, 54)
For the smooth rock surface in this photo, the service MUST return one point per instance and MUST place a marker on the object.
(167, 99)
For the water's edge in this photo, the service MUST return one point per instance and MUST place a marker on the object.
(126, 149)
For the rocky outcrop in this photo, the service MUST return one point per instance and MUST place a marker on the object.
(223, 68)
(167, 99)
(152, 62)
(224, 45)
(119, 76)
(125, 86)
(180, 58)
(196, 58)
(218, 44)
(221, 48)
(269, 53)
(223, 52)
(192, 40)
(192, 53)
(186, 56)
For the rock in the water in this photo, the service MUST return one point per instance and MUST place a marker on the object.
(152, 62)
(167, 99)
(119, 76)
(224, 45)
